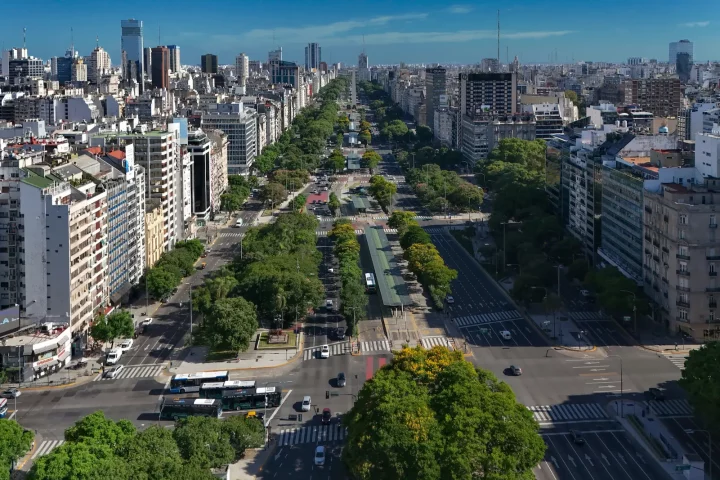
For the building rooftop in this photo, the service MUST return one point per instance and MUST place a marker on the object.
(39, 181)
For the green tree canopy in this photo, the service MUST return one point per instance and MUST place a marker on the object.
(333, 203)
(15, 442)
(430, 414)
(203, 442)
(230, 323)
(382, 191)
(701, 381)
(109, 328)
(371, 159)
(273, 192)
(414, 234)
(401, 220)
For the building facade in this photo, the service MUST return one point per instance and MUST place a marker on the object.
(160, 67)
(239, 124)
(154, 232)
(131, 42)
(313, 56)
(435, 87)
(660, 96)
(209, 63)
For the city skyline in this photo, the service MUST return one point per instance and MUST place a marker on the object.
(417, 32)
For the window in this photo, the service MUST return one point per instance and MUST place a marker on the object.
(683, 267)
(683, 219)
(683, 314)
(683, 297)
(681, 234)
(713, 220)
(682, 250)
(684, 283)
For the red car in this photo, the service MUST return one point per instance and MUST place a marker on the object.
(326, 416)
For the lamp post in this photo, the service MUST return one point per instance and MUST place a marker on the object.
(266, 402)
(634, 309)
(710, 461)
(622, 410)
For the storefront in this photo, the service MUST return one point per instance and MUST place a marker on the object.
(51, 355)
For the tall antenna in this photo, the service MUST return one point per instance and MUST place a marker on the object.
(97, 41)
(159, 42)
(72, 43)
(507, 54)
(498, 55)
(24, 37)
(363, 44)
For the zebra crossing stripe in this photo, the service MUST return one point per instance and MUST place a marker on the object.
(668, 408)
(470, 320)
(324, 433)
(134, 372)
(46, 446)
(568, 413)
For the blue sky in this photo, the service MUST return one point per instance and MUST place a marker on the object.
(395, 31)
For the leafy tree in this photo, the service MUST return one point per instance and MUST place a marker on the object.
(97, 428)
(298, 202)
(371, 159)
(230, 202)
(414, 234)
(401, 220)
(333, 203)
(365, 137)
(466, 196)
(430, 414)
(612, 288)
(382, 191)
(273, 192)
(265, 162)
(244, 433)
(339, 139)
(203, 442)
(701, 381)
(230, 323)
(216, 288)
(424, 134)
(395, 130)
(578, 269)
(161, 282)
(81, 461)
(116, 325)
(15, 442)
(336, 161)
(572, 96)
(530, 153)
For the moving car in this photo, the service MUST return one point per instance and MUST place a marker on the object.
(341, 381)
(125, 344)
(324, 351)
(506, 335)
(239, 222)
(113, 356)
(306, 402)
(577, 437)
(114, 371)
(656, 394)
(329, 304)
(146, 322)
(517, 371)
(449, 300)
(10, 393)
(326, 416)
(340, 333)
(320, 456)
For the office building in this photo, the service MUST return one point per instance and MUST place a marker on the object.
(660, 96)
(64, 68)
(683, 46)
(683, 66)
(435, 88)
(275, 55)
(242, 69)
(11, 54)
(490, 65)
(22, 69)
(147, 63)
(98, 64)
(131, 42)
(285, 73)
(209, 63)
(160, 67)
(313, 56)
(239, 124)
(79, 71)
(174, 58)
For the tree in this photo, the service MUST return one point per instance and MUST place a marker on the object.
(371, 159)
(244, 433)
(572, 96)
(265, 162)
(339, 139)
(153, 451)
(333, 203)
(161, 282)
(530, 153)
(230, 323)
(430, 414)
(424, 134)
(401, 220)
(116, 325)
(203, 442)
(466, 196)
(214, 289)
(15, 442)
(81, 461)
(298, 202)
(336, 161)
(414, 234)
(701, 381)
(365, 137)
(382, 191)
(273, 192)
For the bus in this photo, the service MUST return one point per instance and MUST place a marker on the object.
(370, 286)
(3, 407)
(177, 408)
(242, 395)
(191, 382)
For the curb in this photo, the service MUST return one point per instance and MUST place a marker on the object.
(665, 351)
(570, 349)
(28, 455)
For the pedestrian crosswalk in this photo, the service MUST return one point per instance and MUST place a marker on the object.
(585, 316)
(435, 230)
(470, 320)
(417, 217)
(358, 231)
(671, 408)
(375, 346)
(231, 234)
(677, 360)
(335, 349)
(141, 371)
(314, 434)
(567, 413)
(45, 447)
(436, 341)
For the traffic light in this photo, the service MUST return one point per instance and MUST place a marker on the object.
(327, 393)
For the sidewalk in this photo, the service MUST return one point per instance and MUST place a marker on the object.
(563, 330)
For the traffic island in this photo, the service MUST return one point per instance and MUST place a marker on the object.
(276, 340)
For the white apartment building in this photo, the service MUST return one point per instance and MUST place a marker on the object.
(239, 124)
(443, 123)
(98, 64)
(242, 69)
(64, 273)
(218, 167)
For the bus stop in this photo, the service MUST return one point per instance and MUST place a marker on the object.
(388, 276)
(360, 203)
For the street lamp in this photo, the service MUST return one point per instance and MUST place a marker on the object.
(266, 402)
(622, 410)
(634, 309)
(710, 462)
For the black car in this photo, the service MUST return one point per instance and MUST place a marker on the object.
(326, 416)
(577, 437)
(341, 381)
(656, 394)
(340, 333)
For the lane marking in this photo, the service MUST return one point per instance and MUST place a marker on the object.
(278, 408)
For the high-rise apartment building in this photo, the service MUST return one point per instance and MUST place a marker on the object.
(79, 71)
(313, 56)
(98, 64)
(208, 173)
(174, 58)
(683, 46)
(435, 86)
(494, 93)
(160, 67)
(242, 68)
(239, 124)
(660, 96)
(131, 42)
(683, 66)
(364, 68)
(275, 54)
(363, 61)
(209, 63)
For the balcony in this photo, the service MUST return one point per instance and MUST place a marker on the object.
(684, 273)
(656, 258)
(712, 225)
(648, 209)
(682, 257)
(712, 305)
(686, 289)
(656, 243)
(665, 249)
(682, 320)
(665, 218)
(680, 303)
(712, 257)
(711, 289)
(712, 274)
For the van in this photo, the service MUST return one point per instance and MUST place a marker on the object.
(506, 335)
(113, 356)
(239, 222)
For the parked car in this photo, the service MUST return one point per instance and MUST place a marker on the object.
(125, 344)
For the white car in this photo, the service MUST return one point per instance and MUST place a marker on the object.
(239, 222)
(585, 293)
(306, 404)
(320, 455)
(324, 351)
(449, 300)
(114, 371)
(125, 344)
(146, 322)
(329, 304)
(506, 335)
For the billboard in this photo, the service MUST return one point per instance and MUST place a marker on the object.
(9, 319)
(183, 135)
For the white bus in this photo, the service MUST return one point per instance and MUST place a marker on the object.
(3, 407)
(370, 286)
(191, 382)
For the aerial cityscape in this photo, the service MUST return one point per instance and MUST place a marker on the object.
(424, 242)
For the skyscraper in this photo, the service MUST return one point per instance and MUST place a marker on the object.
(174, 58)
(209, 63)
(275, 54)
(98, 63)
(683, 66)
(242, 68)
(683, 46)
(131, 42)
(435, 85)
(160, 67)
(147, 62)
(313, 56)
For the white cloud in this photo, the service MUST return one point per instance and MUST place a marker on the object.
(460, 9)
(446, 37)
(695, 24)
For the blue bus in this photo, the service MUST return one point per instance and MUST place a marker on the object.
(191, 382)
